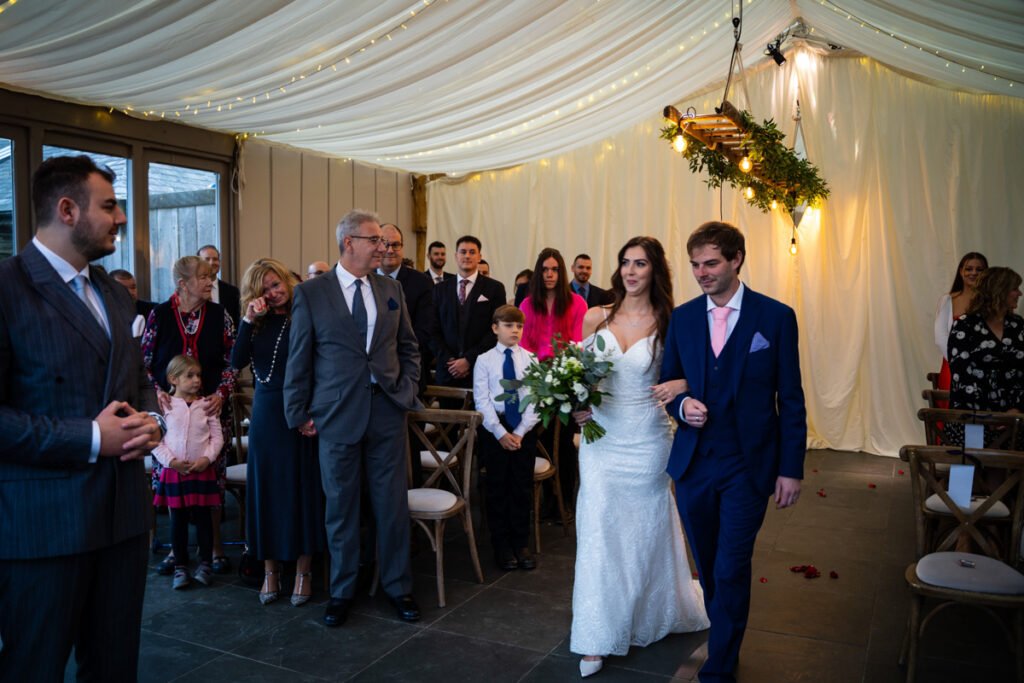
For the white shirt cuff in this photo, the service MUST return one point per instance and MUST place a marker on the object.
(682, 405)
(94, 452)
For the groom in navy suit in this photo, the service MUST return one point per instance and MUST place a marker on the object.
(742, 428)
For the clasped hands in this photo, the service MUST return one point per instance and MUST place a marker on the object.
(458, 368)
(125, 432)
(511, 442)
(196, 467)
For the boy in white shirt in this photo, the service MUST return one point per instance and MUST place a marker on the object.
(507, 442)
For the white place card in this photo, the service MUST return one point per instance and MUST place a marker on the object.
(961, 481)
(974, 436)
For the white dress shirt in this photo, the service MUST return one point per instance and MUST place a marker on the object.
(734, 305)
(469, 288)
(393, 275)
(348, 289)
(215, 292)
(487, 376)
(436, 278)
(67, 273)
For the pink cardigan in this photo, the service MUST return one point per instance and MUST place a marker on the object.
(190, 434)
(538, 330)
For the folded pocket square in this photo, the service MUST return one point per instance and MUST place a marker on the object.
(758, 343)
(482, 298)
(392, 304)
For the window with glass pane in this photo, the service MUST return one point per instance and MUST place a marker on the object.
(6, 198)
(183, 216)
(124, 255)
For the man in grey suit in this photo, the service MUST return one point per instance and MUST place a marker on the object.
(74, 498)
(352, 374)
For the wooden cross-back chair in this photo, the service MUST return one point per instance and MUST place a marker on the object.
(989, 580)
(945, 426)
(235, 477)
(446, 491)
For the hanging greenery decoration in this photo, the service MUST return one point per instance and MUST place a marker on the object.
(750, 157)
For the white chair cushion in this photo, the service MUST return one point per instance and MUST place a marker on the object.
(431, 500)
(427, 460)
(149, 459)
(987, 576)
(236, 474)
(541, 465)
(997, 511)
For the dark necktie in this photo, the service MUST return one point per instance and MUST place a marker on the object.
(359, 309)
(462, 291)
(508, 371)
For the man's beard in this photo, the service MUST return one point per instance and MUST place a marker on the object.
(86, 244)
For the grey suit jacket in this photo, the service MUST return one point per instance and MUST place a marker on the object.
(328, 372)
(58, 370)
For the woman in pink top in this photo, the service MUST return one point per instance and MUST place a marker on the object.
(552, 308)
(553, 311)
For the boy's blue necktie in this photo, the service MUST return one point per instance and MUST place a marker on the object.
(508, 371)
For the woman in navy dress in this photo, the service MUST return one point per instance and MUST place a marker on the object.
(284, 504)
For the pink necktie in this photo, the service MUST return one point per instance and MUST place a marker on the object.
(462, 291)
(720, 316)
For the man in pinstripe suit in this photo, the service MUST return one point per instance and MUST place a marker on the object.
(73, 431)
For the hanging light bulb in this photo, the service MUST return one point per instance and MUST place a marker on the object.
(792, 246)
(745, 165)
(748, 192)
(679, 143)
(775, 205)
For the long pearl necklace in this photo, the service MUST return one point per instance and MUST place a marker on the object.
(273, 358)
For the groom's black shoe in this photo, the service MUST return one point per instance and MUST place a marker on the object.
(525, 559)
(337, 611)
(506, 560)
(406, 608)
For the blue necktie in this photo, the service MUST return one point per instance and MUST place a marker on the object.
(359, 309)
(508, 371)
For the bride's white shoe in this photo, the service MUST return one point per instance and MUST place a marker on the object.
(590, 667)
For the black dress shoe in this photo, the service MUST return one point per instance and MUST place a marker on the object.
(337, 611)
(525, 559)
(406, 608)
(506, 560)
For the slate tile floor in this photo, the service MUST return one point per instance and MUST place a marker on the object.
(515, 626)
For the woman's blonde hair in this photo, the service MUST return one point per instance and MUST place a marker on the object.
(993, 290)
(252, 280)
(188, 267)
(179, 364)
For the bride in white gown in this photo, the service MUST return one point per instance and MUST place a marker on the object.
(633, 583)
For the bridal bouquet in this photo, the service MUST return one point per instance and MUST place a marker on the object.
(564, 383)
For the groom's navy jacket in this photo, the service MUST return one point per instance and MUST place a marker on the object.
(761, 386)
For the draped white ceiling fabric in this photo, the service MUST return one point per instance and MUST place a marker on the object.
(919, 176)
(460, 85)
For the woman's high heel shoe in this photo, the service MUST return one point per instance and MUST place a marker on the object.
(589, 667)
(298, 599)
(267, 597)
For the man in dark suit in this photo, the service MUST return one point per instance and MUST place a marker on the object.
(437, 256)
(418, 292)
(742, 428)
(464, 306)
(582, 267)
(352, 374)
(224, 293)
(73, 432)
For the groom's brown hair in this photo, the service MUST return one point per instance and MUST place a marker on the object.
(726, 236)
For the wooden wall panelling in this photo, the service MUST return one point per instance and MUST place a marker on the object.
(254, 216)
(403, 192)
(315, 219)
(340, 199)
(364, 187)
(286, 205)
(387, 199)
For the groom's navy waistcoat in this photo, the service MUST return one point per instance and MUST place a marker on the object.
(719, 435)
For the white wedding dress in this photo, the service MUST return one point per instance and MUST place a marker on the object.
(633, 583)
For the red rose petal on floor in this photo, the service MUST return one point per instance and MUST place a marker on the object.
(811, 572)
(872, 486)
(696, 575)
(763, 580)
(899, 471)
(798, 568)
(821, 493)
(833, 574)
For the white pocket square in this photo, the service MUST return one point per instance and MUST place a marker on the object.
(482, 298)
(758, 343)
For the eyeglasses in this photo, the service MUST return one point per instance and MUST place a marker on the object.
(392, 245)
(375, 240)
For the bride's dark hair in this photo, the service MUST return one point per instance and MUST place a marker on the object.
(660, 291)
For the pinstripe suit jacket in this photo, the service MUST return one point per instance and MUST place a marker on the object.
(58, 370)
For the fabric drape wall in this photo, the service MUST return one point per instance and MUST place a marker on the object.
(919, 175)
